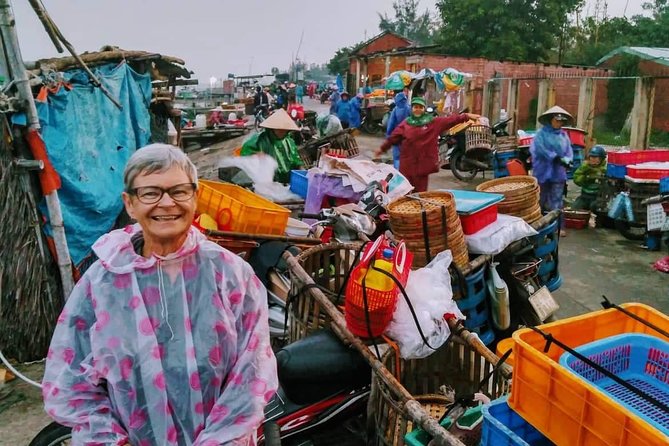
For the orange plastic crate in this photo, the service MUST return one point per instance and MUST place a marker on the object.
(237, 209)
(565, 408)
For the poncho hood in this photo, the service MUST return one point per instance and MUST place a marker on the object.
(117, 253)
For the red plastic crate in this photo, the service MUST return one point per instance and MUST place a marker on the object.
(526, 141)
(637, 157)
(473, 223)
(572, 223)
(576, 136)
(646, 174)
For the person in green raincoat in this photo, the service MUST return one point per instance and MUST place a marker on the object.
(589, 176)
(274, 140)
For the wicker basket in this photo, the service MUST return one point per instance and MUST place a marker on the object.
(343, 142)
(406, 222)
(478, 137)
(455, 365)
(328, 265)
(521, 196)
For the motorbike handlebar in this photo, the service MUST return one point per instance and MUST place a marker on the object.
(310, 216)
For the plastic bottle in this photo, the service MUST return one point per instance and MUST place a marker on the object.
(501, 312)
(376, 280)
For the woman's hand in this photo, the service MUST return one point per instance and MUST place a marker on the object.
(377, 154)
(473, 116)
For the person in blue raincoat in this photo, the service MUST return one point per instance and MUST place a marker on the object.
(299, 93)
(551, 156)
(356, 105)
(334, 99)
(344, 110)
(401, 111)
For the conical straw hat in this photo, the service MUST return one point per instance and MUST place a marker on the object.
(279, 120)
(546, 117)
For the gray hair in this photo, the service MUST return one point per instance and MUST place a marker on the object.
(157, 158)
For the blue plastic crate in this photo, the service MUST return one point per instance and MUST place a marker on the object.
(504, 427)
(299, 183)
(616, 171)
(638, 359)
(664, 185)
(475, 305)
(546, 242)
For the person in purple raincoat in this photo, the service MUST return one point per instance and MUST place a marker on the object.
(551, 156)
(165, 339)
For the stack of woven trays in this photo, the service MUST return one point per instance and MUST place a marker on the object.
(521, 196)
(441, 229)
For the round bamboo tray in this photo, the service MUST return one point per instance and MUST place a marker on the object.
(510, 187)
(406, 222)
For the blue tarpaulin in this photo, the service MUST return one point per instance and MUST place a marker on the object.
(89, 141)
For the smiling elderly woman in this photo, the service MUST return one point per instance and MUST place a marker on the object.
(165, 339)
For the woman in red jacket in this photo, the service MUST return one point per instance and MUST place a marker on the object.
(417, 137)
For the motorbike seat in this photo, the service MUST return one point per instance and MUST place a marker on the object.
(320, 366)
(501, 123)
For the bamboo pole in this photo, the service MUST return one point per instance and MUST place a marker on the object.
(414, 409)
(256, 237)
(46, 22)
(20, 78)
(55, 32)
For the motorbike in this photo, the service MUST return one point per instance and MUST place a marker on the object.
(307, 129)
(261, 113)
(465, 164)
(371, 122)
(323, 386)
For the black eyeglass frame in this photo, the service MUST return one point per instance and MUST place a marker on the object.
(135, 191)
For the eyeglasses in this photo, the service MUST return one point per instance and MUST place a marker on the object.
(153, 194)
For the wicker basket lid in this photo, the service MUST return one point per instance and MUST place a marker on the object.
(424, 201)
(513, 185)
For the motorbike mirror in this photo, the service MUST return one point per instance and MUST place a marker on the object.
(429, 110)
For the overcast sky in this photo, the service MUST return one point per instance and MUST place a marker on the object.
(216, 37)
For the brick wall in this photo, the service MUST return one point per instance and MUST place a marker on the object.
(567, 90)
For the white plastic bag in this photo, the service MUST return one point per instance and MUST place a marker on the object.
(495, 237)
(261, 168)
(431, 296)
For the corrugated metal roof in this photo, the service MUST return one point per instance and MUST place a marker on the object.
(657, 55)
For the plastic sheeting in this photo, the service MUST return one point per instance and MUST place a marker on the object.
(89, 141)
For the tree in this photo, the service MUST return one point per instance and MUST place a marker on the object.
(408, 22)
(340, 62)
(504, 29)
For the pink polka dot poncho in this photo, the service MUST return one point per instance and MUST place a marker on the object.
(163, 350)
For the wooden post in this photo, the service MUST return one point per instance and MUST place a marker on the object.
(642, 113)
(586, 105)
(543, 100)
(496, 100)
(485, 106)
(512, 105)
(387, 66)
(470, 96)
(358, 81)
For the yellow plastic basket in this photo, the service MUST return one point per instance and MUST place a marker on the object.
(565, 408)
(239, 210)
